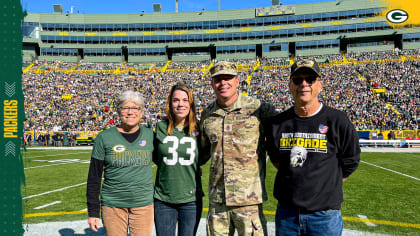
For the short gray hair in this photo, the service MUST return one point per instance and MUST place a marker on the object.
(130, 96)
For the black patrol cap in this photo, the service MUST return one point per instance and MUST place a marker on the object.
(312, 65)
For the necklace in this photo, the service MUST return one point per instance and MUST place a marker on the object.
(180, 127)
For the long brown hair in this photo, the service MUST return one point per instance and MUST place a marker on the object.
(192, 120)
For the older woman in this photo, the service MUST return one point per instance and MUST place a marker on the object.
(178, 191)
(124, 154)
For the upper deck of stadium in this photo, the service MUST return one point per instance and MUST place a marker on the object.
(274, 31)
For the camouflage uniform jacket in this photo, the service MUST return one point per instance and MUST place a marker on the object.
(234, 141)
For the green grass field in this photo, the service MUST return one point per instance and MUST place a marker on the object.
(382, 196)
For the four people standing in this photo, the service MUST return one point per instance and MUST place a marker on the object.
(314, 147)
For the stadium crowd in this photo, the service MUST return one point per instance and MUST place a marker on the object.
(63, 97)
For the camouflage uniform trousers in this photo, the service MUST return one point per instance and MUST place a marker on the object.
(247, 220)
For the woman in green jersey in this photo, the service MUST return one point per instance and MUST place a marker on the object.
(178, 192)
(123, 154)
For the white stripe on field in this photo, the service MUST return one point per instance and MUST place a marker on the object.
(367, 223)
(53, 191)
(52, 165)
(46, 205)
(55, 155)
(153, 165)
(409, 176)
(59, 148)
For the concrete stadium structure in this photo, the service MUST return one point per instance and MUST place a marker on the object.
(274, 31)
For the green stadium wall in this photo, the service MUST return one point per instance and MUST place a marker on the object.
(33, 37)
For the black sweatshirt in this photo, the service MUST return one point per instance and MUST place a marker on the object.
(313, 155)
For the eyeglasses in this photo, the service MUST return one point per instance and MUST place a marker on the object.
(133, 109)
(299, 80)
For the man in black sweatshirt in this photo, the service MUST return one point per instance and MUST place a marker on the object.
(315, 148)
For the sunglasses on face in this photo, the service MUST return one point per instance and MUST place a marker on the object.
(299, 80)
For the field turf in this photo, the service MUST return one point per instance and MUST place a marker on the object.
(382, 196)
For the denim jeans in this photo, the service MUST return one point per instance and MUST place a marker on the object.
(320, 223)
(187, 215)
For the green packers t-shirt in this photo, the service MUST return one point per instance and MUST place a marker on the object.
(128, 176)
(176, 156)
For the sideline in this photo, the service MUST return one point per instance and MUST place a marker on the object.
(386, 150)
(80, 227)
(382, 222)
(345, 218)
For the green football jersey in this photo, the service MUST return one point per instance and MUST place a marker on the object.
(128, 176)
(176, 156)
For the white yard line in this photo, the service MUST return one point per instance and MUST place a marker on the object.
(59, 148)
(51, 165)
(55, 155)
(367, 223)
(46, 205)
(409, 176)
(53, 191)
(153, 165)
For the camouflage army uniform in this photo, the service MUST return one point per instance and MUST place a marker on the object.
(232, 138)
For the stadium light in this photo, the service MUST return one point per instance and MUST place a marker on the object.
(157, 8)
(58, 8)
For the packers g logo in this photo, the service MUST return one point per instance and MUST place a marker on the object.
(118, 148)
(397, 16)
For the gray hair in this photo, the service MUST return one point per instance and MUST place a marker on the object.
(130, 96)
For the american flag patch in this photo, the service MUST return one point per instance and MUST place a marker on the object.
(323, 129)
(142, 143)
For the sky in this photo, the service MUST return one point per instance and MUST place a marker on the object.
(136, 6)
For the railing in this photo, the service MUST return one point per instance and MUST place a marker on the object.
(82, 134)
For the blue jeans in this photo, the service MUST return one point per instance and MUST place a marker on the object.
(187, 215)
(322, 223)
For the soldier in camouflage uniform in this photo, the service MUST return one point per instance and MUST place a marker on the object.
(232, 136)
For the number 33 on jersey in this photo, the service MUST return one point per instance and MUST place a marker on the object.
(177, 148)
(176, 156)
